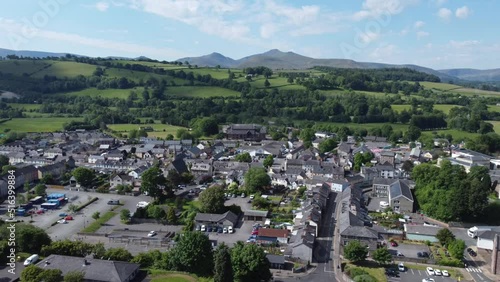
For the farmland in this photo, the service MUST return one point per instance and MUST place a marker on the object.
(36, 124)
(439, 86)
(25, 107)
(201, 91)
(66, 69)
(105, 93)
(22, 67)
(159, 130)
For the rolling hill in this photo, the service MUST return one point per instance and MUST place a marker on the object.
(26, 53)
(474, 74)
(276, 59)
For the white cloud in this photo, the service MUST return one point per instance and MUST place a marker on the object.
(462, 12)
(368, 37)
(421, 34)
(102, 6)
(296, 16)
(418, 24)
(377, 8)
(445, 14)
(462, 44)
(384, 53)
(23, 35)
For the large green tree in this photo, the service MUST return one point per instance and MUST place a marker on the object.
(223, 269)
(192, 253)
(268, 161)
(243, 158)
(206, 126)
(250, 263)
(153, 182)
(327, 145)
(212, 200)
(51, 275)
(355, 252)
(74, 276)
(30, 239)
(457, 248)
(445, 236)
(84, 176)
(31, 274)
(382, 256)
(257, 179)
(119, 254)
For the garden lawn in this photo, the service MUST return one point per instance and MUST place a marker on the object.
(377, 272)
(48, 124)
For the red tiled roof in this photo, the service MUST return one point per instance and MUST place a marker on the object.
(271, 232)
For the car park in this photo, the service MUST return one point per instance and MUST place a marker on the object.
(429, 270)
(152, 233)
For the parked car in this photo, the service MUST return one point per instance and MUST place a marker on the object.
(69, 217)
(198, 228)
(428, 280)
(62, 221)
(243, 195)
(394, 244)
(40, 211)
(113, 202)
(209, 229)
(429, 270)
(252, 197)
(63, 214)
(437, 272)
(203, 228)
(220, 230)
(230, 230)
(31, 260)
(392, 272)
(399, 254)
(401, 266)
(255, 232)
(152, 233)
(445, 273)
(224, 230)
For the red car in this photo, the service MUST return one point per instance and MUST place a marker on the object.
(69, 217)
(255, 232)
(40, 211)
(394, 244)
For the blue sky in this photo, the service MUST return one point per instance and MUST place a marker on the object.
(434, 33)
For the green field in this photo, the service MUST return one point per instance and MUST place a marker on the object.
(66, 69)
(19, 67)
(442, 107)
(201, 91)
(106, 93)
(138, 75)
(456, 134)
(473, 92)
(217, 74)
(493, 108)
(367, 126)
(160, 130)
(496, 125)
(25, 107)
(48, 124)
(439, 86)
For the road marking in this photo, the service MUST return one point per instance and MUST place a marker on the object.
(480, 277)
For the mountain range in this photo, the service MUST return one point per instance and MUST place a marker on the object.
(276, 59)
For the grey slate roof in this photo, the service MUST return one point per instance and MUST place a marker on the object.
(213, 217)
(95, 269)
(275, 259)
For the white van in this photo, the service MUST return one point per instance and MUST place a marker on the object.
(31, 260)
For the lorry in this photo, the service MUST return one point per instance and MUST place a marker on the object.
(475, 230)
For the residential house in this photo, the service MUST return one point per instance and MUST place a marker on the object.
(23, 175)
(16, 157)
(92, 159)
(53, 152)
(387, 157)
(339, 185)
(137, 173)
(277, 262)
(247, 132)
(353, 220)
(272, 236)
(201, 168)
(344, 151)
(95, 270)
(120, 179)
(56, 170)
(116, 155)
(301, 244)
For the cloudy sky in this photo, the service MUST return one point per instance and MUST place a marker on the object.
(433, 33)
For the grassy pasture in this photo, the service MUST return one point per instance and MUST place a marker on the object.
(442, 107)
(105, 93)
(478, 92)
(18, 67)
(159, 130)
(439, 86)
(493, 108)
(201, 91)
(496, 125)
(25, 107)
(48, 124)
(66, 69)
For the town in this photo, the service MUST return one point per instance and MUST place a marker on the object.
(314, 208)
